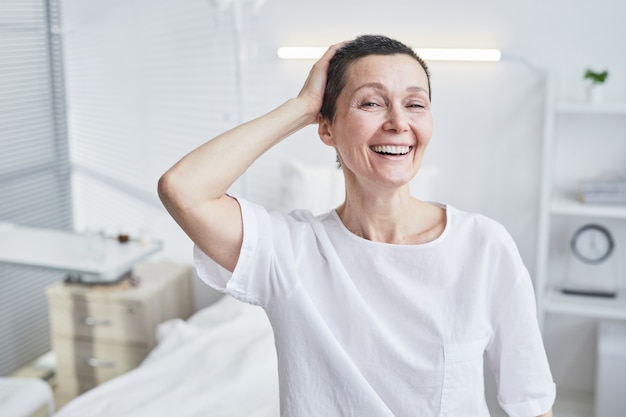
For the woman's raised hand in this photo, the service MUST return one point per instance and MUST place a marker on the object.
(194, 189)
(315, 84)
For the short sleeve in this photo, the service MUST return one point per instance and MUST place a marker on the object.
(258, 275)
(517, 355)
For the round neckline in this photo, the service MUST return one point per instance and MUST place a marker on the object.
(362, 240)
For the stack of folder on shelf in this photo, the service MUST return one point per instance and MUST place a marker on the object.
(603, 191)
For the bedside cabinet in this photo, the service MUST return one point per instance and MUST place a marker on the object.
(100, 332)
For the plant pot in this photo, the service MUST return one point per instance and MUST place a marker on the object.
(595, 93)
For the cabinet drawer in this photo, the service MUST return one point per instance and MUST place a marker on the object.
(70, 388)
(97, 362)
(120, 322)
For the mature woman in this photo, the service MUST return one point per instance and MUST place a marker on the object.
(386, 305)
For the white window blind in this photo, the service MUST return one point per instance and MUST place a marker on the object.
(147, 81)
(34, 165)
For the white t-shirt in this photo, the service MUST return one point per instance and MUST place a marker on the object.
(366, 329)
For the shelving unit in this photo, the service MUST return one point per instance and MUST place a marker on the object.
(559, 206)
(556, 302)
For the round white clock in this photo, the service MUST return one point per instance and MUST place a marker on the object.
(592, 244)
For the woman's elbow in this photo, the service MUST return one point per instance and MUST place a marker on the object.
(169, 191)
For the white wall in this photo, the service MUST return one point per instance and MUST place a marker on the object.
(488, 117)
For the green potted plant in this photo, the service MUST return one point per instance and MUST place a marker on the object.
(596, 81)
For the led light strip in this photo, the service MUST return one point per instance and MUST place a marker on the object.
(429, 54)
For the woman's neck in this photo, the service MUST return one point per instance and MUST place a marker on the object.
(392, 217)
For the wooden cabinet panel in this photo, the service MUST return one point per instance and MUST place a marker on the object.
(99, 333)
(95, 361)
(122, 322)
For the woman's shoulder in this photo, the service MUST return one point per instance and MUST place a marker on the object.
(486, 236)
(478, 224)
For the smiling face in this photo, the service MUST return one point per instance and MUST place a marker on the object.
(383, 121)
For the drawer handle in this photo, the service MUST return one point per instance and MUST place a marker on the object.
(97, 363)
(92, 322)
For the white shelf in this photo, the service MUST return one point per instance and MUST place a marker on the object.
(570, 119)
(586, 306)
(568, 205)
(608, 108)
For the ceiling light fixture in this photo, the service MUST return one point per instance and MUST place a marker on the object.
(429, 54)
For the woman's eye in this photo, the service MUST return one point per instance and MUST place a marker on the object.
(370, 104)
(416, 106)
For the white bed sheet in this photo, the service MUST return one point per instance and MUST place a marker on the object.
(221, 362)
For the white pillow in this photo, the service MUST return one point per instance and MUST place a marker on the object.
(318, 188)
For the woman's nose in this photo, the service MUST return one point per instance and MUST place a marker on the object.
(396, 119)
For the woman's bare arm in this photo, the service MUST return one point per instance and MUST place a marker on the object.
(194, 189)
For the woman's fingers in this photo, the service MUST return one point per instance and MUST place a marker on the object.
(315, 83)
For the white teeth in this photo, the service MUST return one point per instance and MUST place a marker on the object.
(393, 150)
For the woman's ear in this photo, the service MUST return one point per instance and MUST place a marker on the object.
(324, 130)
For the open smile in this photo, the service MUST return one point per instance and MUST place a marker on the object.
(391, 149)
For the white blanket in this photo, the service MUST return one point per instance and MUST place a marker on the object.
(219, 363)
